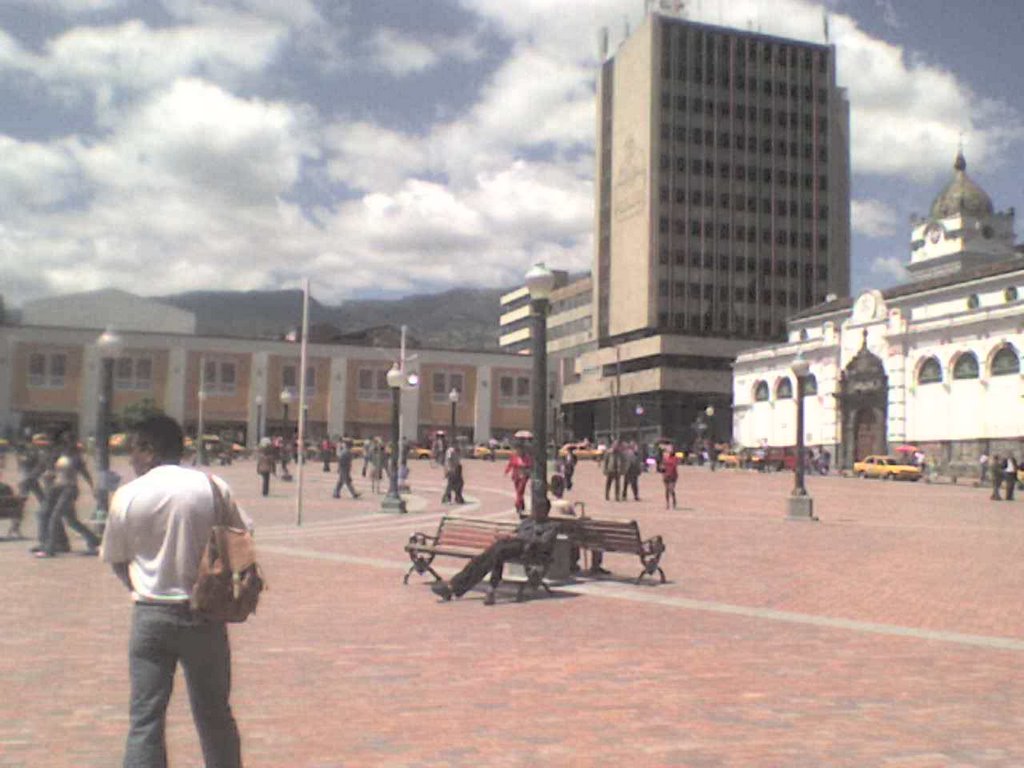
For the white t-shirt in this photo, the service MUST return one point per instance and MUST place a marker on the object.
(159, 524)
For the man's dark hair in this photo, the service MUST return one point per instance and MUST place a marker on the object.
(162, 435)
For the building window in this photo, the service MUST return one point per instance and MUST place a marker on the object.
(1006, 361)
(761, 391)
(784, 390)
(133, 373)
(930, 372)
(810, 385)
(443, 382)
(514, 391)
(47, 370)
(372, 384)
(966, 366)
(973, 302)
(1010, 294)
(290, 378)
(219, 377)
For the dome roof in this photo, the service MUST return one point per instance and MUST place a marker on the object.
(962, 195)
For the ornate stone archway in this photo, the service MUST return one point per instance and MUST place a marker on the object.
(863, 403)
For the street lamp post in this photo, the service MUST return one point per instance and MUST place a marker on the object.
(393, 502)
(259, 418)
(453, 398)
(200, 427)
(540, 282)
(801, 505)
(712, 454)
(109, 345)
(287, 398)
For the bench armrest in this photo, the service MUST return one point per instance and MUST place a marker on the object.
(422, 540)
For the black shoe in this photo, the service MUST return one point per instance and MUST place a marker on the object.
(336, 495)
(442, 590)
(356, 495)
(490, 597)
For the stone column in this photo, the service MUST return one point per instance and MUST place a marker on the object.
(483, 404)
(337, 396)
(7, 415)
(257, 388)
(88, 406)
(174, 395)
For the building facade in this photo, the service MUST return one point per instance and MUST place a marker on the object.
(722, 208)
(50, 376)
(935, 363)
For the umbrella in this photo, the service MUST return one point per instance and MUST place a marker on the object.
(523, 434)
(906, 449)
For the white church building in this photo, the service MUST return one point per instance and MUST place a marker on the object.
(934, 363)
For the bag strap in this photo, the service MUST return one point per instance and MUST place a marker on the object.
(221, 514)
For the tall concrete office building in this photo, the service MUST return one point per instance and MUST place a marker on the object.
(722, 209)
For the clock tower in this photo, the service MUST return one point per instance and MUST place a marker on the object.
(962, 230)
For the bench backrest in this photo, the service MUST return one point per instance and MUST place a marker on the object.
(471, 533)
(608, 535)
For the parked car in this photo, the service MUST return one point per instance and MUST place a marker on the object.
(729, 459)
(887, 468)
(584, 451)
(418, 452)
(483, 451)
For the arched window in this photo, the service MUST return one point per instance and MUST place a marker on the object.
(1006, 361)
(966, 366)
(930, 372)
(761, 391)
(810, 385)
(784, 390)
(973, 302)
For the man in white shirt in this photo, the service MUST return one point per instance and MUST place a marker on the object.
(155, 536)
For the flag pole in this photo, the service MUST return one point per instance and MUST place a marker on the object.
(301, 457)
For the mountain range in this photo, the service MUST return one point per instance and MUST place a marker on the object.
(461, 318)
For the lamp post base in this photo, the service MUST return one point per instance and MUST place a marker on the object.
(800, 508)
(394, 504)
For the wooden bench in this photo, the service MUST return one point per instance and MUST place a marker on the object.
(619, 536)
(465, 538)
(12, 508)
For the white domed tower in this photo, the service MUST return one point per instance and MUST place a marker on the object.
(962, 230)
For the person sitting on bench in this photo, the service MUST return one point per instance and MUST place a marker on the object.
(534, 535)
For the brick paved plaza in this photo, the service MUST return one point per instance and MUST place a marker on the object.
(888, 634)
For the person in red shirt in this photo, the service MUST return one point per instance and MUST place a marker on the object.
(519, 466)
(670, 474)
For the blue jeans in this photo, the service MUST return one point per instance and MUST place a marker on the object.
(63, 510)
(161, 637)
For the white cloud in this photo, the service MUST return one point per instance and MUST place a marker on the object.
(873, 218)
(192, 177)
(892, 267)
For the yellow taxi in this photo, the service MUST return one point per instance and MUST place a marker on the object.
(584, 451)
(483, 451)
(728, 459)
(887, 468)
(418, 452)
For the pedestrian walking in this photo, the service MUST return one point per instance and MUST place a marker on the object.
(670, 475)
(325, 453)
(265, 467)
(997, 477)
(375, 449)
(453, 477)
(519, 467)
(631, 469)
(1010, 475)
(158, 525)
(983, 467)
(345, 470)
(569, 466)
(62, 496)
(612, 467)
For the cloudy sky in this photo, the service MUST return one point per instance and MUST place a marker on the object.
(407, 146)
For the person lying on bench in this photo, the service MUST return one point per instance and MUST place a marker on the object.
(534, 535)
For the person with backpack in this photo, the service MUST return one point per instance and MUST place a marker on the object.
(265, 467)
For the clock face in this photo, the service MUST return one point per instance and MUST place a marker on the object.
(935, 235)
